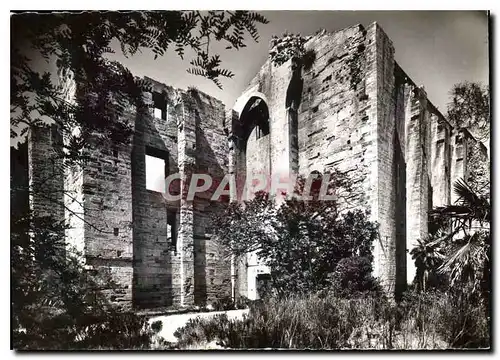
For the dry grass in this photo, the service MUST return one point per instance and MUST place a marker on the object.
(430, 321)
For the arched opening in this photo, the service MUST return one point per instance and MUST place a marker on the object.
(255, 115)
(252, 140)
(252, 151)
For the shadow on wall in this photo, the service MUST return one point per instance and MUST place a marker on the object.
(211, 270)
(400, 216)
(154, 253)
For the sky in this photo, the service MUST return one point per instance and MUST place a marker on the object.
(436, 49)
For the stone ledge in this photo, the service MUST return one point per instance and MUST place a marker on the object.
(171, 311)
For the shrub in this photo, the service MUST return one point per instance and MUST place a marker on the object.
(353, 276)
(242, 302)
(371, 321)
(287, 47)
(55, 301)
(157, 326)
(61, 331)
(193, 91)
(310, 322)
(224, 303)
(302, 241)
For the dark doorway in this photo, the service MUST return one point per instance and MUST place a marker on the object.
(263, 285)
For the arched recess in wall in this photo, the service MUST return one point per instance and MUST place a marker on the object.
(254, 120)
(243, 100)
(255, 114)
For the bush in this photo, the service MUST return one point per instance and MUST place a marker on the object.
(310, 322)
(302, 242)
(61, 331)
(352, 277)
(287, 47)
(157, 326)
(224, 303)
(56, 304)
(419, 321)
(242, 302)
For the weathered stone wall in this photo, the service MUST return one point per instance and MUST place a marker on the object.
(212, 276)
(73, 180)
(417, 185)
(46, 179)
(353, 110)
(335, 130)
(270, 85)
(270, 156)
(124, 229)
(402, 93)
(440, 160)
(258, 169)
(459, 159)
(156, 258)
(304, 109)
(345, 121)
(427, 155)
(107, 195)
(238, 266)
(383, 100)
(187, 268)
(257, 159)
(361, 114)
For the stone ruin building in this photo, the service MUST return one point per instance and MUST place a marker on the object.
(354, 110)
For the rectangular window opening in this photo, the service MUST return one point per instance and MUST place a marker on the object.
(159, 105)
(156, 169)
(262, 130)
(172, 229)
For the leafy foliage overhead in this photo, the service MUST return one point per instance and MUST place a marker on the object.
(79, 42)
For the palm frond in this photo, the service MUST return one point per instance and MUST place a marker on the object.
(470, 206)
(465, 192)
(467, 259)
